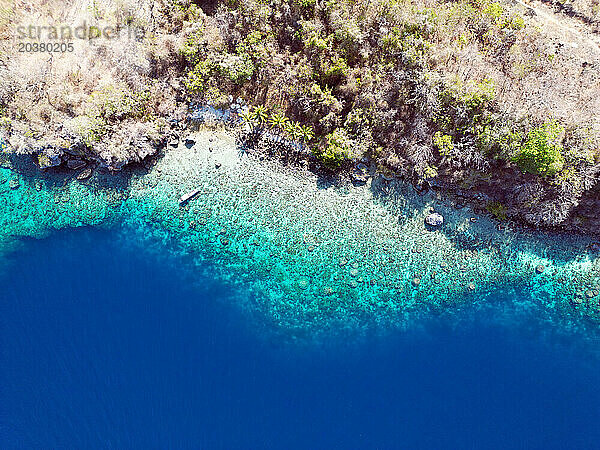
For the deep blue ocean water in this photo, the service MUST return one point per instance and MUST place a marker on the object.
(104, 345)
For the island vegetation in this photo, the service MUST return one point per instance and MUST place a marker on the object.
(482, 99)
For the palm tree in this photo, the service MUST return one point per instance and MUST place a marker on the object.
(260, 114)
(288, 128)
(307, 133)
(278, 121)
(296, 131)
(247, 119)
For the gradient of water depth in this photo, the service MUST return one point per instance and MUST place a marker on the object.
(105, 345)
(283, 309)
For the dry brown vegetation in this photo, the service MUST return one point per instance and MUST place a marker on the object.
(105, 99)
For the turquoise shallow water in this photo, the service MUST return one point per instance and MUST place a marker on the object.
(282, 310)
(319, 254)
(111, 342)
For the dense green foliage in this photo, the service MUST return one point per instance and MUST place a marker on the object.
(367, 72)
(336, 151)
(542, 154)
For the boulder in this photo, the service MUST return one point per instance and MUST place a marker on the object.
(360, 174)
(434, 219)
(75, 164)
(49, 158)
(85, 174)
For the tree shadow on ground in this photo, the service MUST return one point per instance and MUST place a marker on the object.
(470, 231)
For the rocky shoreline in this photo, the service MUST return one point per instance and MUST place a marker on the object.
(480, 197)
(319, 250)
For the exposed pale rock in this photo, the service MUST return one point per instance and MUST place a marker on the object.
(434, 219)
(85, 174)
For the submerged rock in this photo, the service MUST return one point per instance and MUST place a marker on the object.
(434, 219)
(85, 174)
(360, 174)
(303, 283)
(75, 164)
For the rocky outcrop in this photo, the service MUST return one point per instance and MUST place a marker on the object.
(434, 219)
(130, 143)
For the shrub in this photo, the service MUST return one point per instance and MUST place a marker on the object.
(337, 149)
(310, 34)
(237, 68)
(4, 120)
(443, 142)
(542, 153)
(334, 70)
(475, 96)
(430, 172)
(191, 47)
(90, 129)
(308, 5)
(409, 41)
(498, 210)
(116, 102)
(254, 49)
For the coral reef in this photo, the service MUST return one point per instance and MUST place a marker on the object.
(309, 251)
